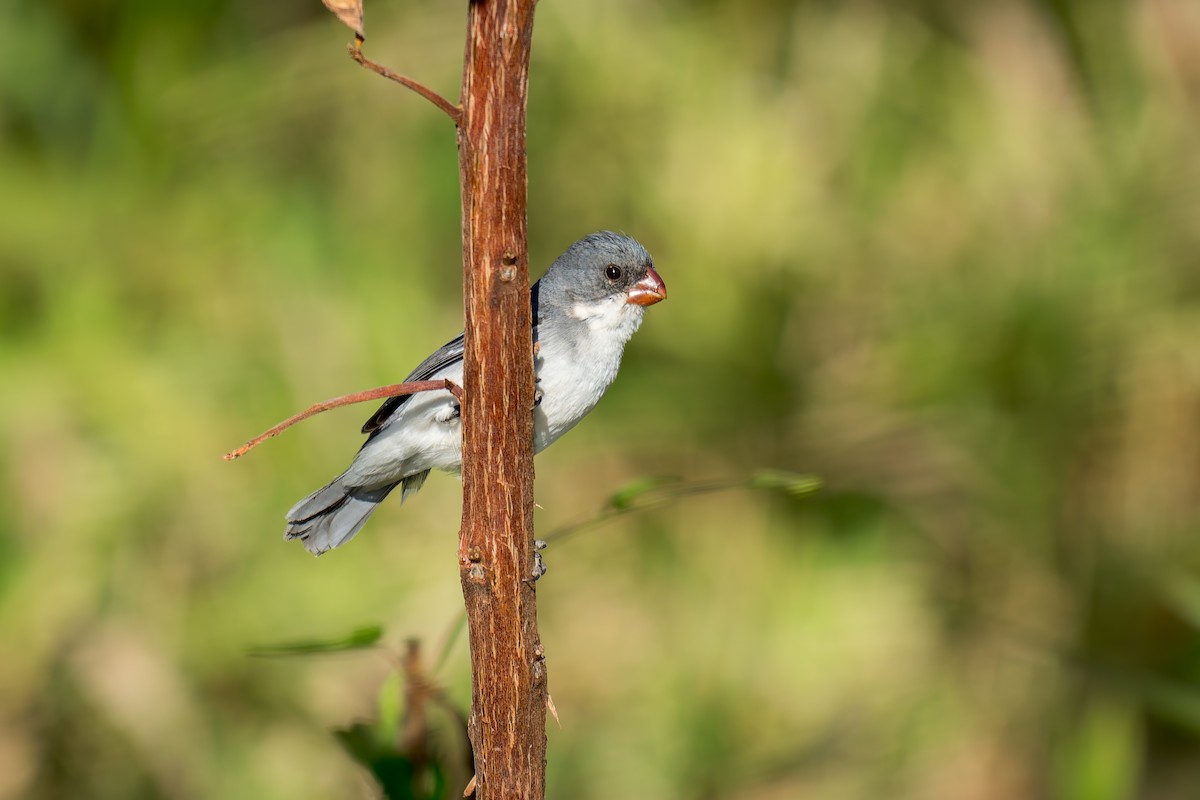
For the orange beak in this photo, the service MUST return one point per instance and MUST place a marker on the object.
(648, 291)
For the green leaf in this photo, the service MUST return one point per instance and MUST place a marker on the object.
(359, 742)
(1174, 700)
(1168, 698)
(395, 772)
(358, 639)
(1098, 758)
(789, 482)
(391, 711)
(623, 498)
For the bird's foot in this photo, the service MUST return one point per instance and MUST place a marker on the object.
(539, 564)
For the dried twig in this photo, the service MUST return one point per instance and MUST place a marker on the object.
(451, 110)
(394, 390)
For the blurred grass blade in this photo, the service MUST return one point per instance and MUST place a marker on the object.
(642, 494)
(1168, 698)
(789, 482)
(359, 639)
(1182, 594)
(452, 637)
(1174, 700)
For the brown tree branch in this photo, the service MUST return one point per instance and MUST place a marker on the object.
(496, 549)
(393, 390)
(496, 553)
(451, 110)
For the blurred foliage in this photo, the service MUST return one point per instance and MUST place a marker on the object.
(362, 638)
(943, 255)
(411, 753)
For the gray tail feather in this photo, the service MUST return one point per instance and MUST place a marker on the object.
(332, 515)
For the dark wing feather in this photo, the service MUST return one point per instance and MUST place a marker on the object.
(450, 353)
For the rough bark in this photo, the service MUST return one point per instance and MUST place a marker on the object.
(508, 710)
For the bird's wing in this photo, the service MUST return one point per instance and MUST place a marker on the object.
(449, 354)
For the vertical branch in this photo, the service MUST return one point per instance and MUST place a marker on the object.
(508, 710)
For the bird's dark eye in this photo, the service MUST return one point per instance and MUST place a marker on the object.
(613, 272)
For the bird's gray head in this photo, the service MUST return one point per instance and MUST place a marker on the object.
(605, 270)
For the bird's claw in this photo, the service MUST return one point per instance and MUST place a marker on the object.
(539, 564)
(539, 568)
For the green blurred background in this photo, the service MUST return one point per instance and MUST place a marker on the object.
(944, 255)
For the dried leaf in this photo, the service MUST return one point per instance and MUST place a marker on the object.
(350, 12)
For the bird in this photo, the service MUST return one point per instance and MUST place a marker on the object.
(585, 309)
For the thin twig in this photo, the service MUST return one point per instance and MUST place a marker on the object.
(453, 111)
(661, 495)
(394, 390)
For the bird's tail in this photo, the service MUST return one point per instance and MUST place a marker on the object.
(330, 516)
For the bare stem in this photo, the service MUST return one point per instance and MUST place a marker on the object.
(496, 553)
(451, 110)
(393, 390)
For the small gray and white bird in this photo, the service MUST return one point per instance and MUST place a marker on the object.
(585, 308)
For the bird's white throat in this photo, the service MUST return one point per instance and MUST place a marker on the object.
(610, 314)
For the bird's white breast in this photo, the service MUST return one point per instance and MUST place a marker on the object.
(577, 361)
